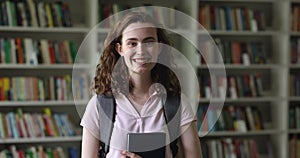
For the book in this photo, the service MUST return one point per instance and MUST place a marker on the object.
(250, 118)
(73, 152)
(68, 54)
(42, 14)
(232, 87)
(21, 14)
(53, 14)
(228, 18)
(36, 127)
(240, 122)
(8, 126)
(12, 51)
(9, 12)
(19, 51)
(31, 57)
(6, 54)
(51, 52)
(13, 150)
(58, 57)
(21, 123)
(236, 52)
(257, 119)
(29, 125)
(50, 122)
(66, 15)
(73, 50)
(292, 146)
(42, 124)
(147, 145)
(2, 126)
(63, 53)
(33, 13)
(13, 125)
(212, 148)
(49, 153)
(67, 124)
(49, 16)
(45, 51)
(61, 153)
(4, 16)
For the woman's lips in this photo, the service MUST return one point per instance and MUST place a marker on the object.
(141, 60)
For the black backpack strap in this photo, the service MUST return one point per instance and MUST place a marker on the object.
(172, 113)
(107, 112)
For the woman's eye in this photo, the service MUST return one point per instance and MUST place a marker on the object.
(149, 44)
(131, 44)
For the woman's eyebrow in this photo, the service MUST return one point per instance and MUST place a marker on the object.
(145, 39)
(149, 38)
(131, 39)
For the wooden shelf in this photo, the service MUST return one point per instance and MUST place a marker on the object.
(44, 30)
(239, 33)
(41, 140)
(242, 100)
(241, 67)
(40, 103)
(43, 66)
(244, 134)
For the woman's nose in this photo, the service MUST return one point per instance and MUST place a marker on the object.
(140, 48)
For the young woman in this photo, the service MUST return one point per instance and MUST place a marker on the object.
(131, 70)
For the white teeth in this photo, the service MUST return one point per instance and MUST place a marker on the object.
(141, 60)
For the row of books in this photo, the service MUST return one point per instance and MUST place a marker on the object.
(230, 118)
(237, 86)
(232, 52)
(294, 146)
(295, 49)
(294, 116)
(231, 18)
(233, 148)
(31, 51)
(43, 88)
(39, 152)
(295, 18)
(295, 84)
(35, 14)
(166, 17)
(207, 90)
(31, 125)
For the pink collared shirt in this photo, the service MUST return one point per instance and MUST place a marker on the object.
(128, 120)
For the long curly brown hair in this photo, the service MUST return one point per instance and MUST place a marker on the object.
(108, 76)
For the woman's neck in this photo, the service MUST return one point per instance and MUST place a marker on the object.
(140, 92)
(141, 84)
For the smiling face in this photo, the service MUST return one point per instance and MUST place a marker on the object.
(139, 47)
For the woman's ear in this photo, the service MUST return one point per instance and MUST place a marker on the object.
(118, 48)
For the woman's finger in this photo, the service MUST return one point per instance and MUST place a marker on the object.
(129, 154)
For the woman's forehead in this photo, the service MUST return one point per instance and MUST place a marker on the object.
(138, 26)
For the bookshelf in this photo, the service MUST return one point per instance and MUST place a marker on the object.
(293, 66)
(274, 33)
(268, 35)
(272, 101)
(69, 27)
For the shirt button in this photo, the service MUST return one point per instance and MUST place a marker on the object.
(139, 121)
(158, 90)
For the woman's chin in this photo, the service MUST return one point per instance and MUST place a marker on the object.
(143, 68)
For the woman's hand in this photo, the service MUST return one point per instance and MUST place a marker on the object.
(127, 154)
